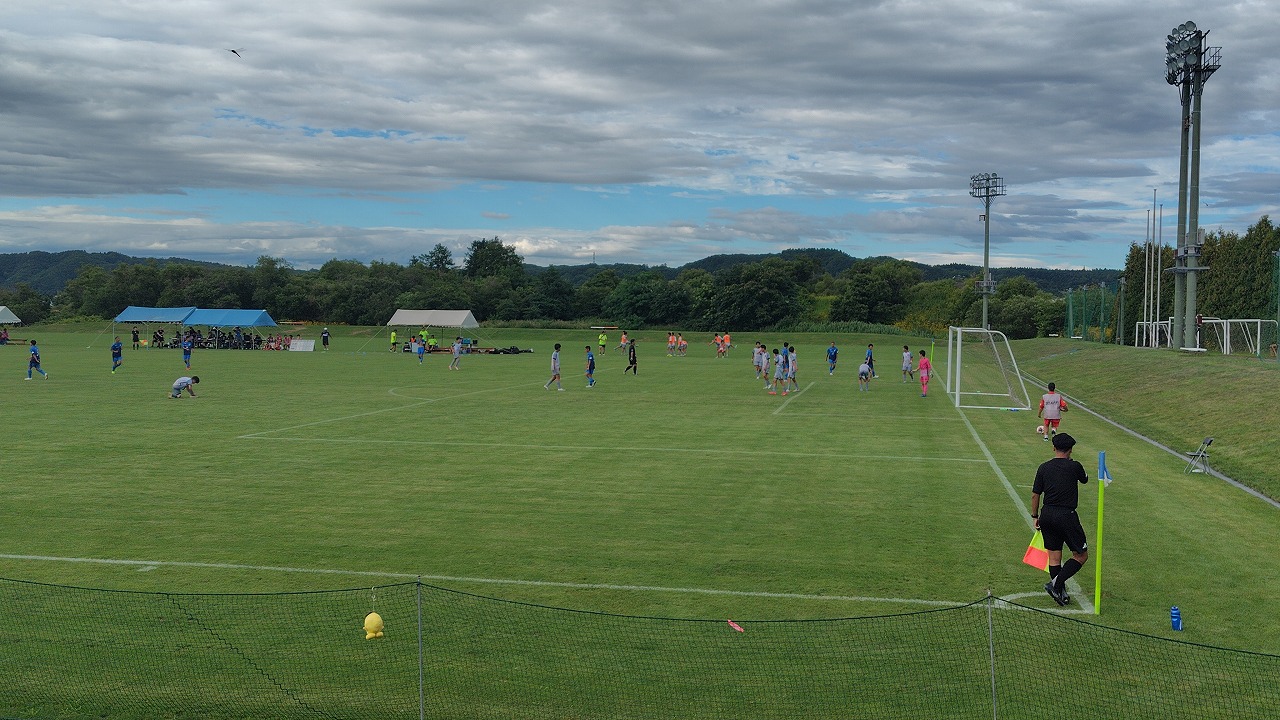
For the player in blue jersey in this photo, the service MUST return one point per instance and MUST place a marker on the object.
(34, 362)
(832, 353)
(591, 368)
(117, 354)
(421, 348)
(187, 344)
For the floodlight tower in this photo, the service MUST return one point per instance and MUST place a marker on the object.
(1189, 62)
(985, 187)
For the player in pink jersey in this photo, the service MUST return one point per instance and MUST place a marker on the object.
(925, 368)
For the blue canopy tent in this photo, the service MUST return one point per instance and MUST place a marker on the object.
(230, 318)
(225, 319)
(135, 314)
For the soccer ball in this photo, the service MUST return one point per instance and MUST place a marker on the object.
(1039, 429)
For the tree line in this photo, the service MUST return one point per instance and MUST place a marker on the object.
(495, 284)
(795, 291)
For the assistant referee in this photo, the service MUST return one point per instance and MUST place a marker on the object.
(1058, 481)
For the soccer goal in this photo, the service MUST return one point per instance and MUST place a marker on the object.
(982, 372)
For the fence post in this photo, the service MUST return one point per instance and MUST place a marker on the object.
(991, 650)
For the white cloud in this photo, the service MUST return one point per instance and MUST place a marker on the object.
(803, 122)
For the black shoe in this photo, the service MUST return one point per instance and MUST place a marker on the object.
(1058, 597)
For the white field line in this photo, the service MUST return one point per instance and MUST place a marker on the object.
(392, 391)
(1072, 585)
(611, 448)
(152, 564)
(791, 397)
(148, 565)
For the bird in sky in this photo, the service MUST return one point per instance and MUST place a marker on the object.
(235, 52)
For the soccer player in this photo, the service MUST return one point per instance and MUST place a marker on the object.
(758, 361)
(907, 359)
(117, 353)
(324, 338)
(604, 338)
(671, 344)
(456, 348)
(832, 353)
(781, 362)
(184, 383)
(421, 348)
(1058, 481)
(1052, 405)
(631, 358)
(187, 343)
(33, 363)
(393, 341)
(791, 369)
(864, 377)
(718, 343)
(591, 368)
(137, 342)
(622, 343)
(728, 341)
(682, 345)
(871, 359)
(555, 370)
(925, 368)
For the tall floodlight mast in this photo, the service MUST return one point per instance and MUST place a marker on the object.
(1189, 62)
(985, 187)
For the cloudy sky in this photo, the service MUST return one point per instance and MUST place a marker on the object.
(646, 132)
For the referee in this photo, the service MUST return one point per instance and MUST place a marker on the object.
(1057, 481)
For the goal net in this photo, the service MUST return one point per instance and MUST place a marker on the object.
(982, 372)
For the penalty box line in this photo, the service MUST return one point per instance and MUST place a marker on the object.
(151, 564)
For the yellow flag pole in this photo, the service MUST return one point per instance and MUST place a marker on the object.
(1104, 479)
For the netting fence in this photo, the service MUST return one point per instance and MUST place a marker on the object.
(69, 652)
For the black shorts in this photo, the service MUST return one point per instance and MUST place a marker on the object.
(1062, 527)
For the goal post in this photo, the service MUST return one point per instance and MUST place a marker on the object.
(981, 371)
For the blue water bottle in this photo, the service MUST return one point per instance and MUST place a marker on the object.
(1175, 618)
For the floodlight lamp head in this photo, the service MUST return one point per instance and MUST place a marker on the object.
(1191, 27)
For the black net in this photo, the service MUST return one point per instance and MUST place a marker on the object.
(71, 652)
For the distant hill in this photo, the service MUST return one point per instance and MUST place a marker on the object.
(48, 273)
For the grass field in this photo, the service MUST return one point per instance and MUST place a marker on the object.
(684, 491)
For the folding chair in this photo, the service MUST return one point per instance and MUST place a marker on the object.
(1198, 459)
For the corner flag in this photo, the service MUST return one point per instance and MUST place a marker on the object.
(1104, 479)
(1036, 556)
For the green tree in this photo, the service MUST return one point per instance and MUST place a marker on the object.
(589, 297)
(438, 259)
(29, 305)
(490, 258)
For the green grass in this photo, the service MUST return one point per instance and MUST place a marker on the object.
(686, 476)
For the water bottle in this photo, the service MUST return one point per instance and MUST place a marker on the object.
(1175, 618)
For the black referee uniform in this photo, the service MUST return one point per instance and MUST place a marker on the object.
(1058, 483)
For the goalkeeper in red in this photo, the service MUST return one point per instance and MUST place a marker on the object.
(1052, 405)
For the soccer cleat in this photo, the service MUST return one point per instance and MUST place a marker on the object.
(1059, 597)
(1045, 438)
(784, 393)
(771, 392)
(28, 377)
(560, 389)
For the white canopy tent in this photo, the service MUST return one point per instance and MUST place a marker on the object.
(433, 318)
(7, 317)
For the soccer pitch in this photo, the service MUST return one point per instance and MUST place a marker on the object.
(683, 491)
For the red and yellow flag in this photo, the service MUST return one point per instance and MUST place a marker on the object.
(1036, 556)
